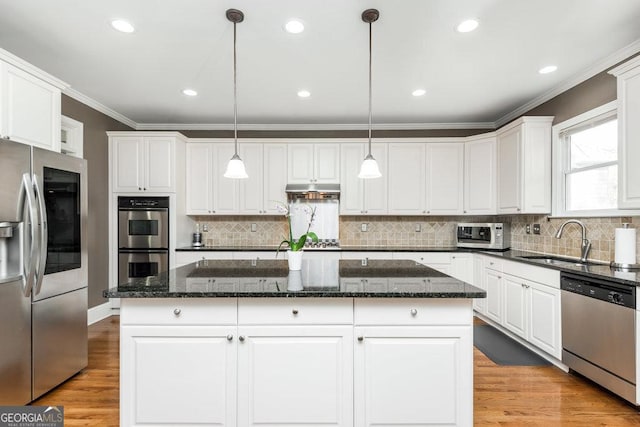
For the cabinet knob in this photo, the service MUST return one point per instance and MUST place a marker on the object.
(145, 188)
(424, 211)
(139, 188)
(428, 212)
(241, 338)
(360, 338)
(177, 311)
(295, 311)
(366, 211)
(230, 337)
(213, 211)
(518, 209)
(414, 312)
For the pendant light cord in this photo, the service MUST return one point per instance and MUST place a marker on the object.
(370, 54)
(235, 94)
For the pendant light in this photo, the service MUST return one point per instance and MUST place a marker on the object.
(369, 168)
(235, 167)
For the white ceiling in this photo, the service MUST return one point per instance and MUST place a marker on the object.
(477, 77)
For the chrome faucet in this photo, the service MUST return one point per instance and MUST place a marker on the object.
(586, 244)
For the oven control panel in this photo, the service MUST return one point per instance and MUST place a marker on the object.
(143, 202)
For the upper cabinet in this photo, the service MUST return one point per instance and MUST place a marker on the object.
(407, 178)
(29, 106)
(362, 196)
(266, 166)
(313, 163)
(145, 162)
(480, 176)
(524, 166)
(628, 75)
(445, 178)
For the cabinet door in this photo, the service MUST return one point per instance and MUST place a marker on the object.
(311, 385)
(199, 179)
(514, 315)
(351, 187)
(480, 177)
(493, 281)
(178, 375)
(413, 376)
(275, 177)
(479, 304)
(375, 190)
(509, 171)
(225, 190)
(251, 189)
(326, 163)
(159, 167)
(31, 109)
(544, 318)
(536, 167)
(406, 179)
(462, 267)
(128, 163)
(300, 163)
(629, 135)
(445, 178)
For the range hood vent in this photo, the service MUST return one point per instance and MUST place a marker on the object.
(313, 191)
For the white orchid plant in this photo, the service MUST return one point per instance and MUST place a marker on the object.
(297, 245)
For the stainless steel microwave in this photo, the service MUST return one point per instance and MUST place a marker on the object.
(484, 235)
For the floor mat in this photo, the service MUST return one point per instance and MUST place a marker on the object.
(502, 350)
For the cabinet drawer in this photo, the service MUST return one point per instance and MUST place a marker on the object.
(547, 276)
(295, 311)
(412, 311)
(178, 311)
(493, 263)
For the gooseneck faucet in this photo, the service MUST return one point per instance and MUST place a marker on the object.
(586, 244)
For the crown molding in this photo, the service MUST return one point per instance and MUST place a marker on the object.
(324, 126)
(10, 58)
(598, 67)
(80, 97)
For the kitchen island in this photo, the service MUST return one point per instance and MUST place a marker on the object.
(339, 343)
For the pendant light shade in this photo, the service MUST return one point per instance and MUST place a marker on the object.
(369, 168)
(235, 167)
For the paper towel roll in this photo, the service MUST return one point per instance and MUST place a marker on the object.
(625, 246)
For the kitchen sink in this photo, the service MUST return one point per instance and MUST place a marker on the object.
(553, 260)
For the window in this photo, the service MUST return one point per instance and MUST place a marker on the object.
(586, 164)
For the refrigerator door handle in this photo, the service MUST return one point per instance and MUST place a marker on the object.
(29, 265)
(44, 234)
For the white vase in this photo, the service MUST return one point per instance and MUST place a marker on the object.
(294, 282)
(295, 260)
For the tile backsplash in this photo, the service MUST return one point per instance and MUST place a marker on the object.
(434, 232)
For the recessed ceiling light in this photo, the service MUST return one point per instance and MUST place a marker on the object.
(122, 25)
(418, 92)
(467, 26)
(304, 93)
(294, 26)
(548, 69)
(189, 92)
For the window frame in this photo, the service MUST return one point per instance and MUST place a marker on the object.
(561, 163)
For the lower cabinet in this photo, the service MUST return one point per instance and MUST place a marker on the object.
(418, 375)
(493, 283)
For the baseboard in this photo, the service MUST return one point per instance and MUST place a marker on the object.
(99, 312)
(536, 350)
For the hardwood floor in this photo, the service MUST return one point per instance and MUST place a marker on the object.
(504, 395)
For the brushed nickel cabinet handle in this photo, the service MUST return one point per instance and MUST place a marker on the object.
(230, 337)
(414, 312)
(295, 311)
(177, 311)
(241, 338)
(360, 338)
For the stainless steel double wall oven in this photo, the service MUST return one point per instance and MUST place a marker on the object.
(143, 237)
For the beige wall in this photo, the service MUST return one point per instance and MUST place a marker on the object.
(96, 152)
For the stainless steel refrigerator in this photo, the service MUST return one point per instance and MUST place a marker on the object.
(43, 270)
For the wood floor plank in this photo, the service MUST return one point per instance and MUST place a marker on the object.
(503, 395)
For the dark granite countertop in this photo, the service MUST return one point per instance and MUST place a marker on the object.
(340, 249)
(318, 278)
(596, 270)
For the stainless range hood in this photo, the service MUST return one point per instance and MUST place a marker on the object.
(313, 191)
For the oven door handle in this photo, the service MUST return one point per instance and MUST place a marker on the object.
(44, 235)
(143, 251)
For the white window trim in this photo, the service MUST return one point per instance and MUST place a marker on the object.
(559, 161)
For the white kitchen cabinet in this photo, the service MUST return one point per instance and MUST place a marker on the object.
(208, 192)
(362, 196)
(445, 178)
(30, 108)
(479, 304)
(266, 166)
(628, 76)
(144, 163)
(440, 261)
(295, 375)
(313, 163)
(493, 285)
(544, 318)
(187, 257)
(524, 166)
(515, 305)
(462, 267)
(406, 183)
(480, 176)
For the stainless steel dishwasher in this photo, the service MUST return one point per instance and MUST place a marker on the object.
(598, 332)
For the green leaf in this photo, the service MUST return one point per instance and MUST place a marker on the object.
(312, 236)
(280, 246)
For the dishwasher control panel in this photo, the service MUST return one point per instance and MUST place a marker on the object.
(604, 290)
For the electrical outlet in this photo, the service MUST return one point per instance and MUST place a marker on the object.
(254, 227)
(365, 262)
(527, 228)
(363, 227)
(418, 227)
(205, 227)
(536, 228)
